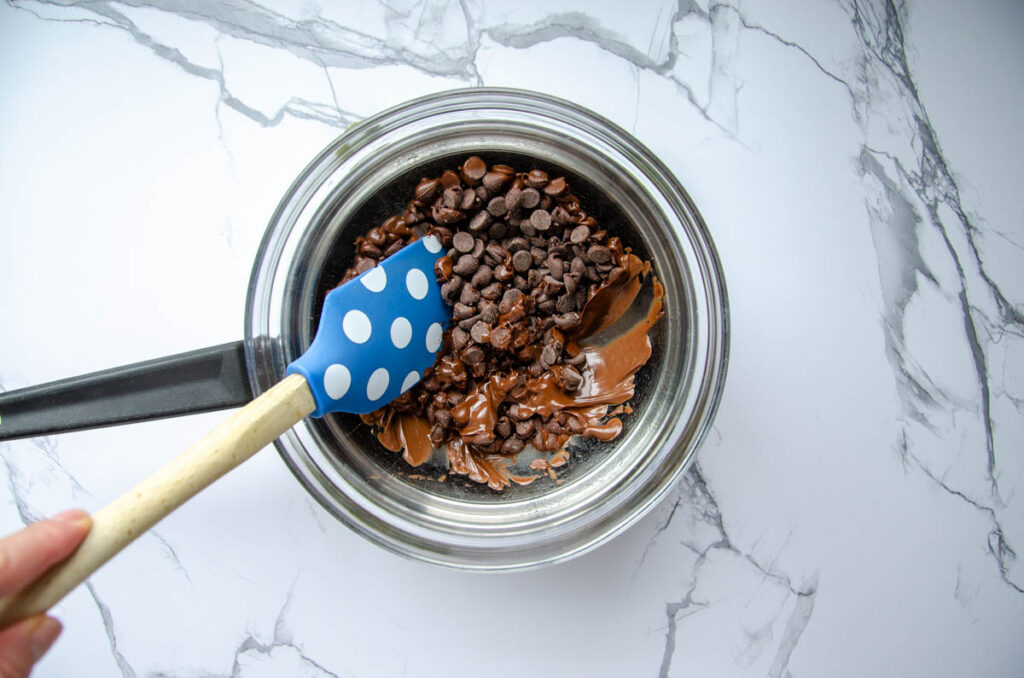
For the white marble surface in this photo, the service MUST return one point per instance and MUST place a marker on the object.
(855, 511)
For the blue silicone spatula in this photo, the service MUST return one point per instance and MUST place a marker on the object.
(378, 333)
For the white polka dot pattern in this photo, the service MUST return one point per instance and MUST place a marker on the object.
(416, 283)
(378, 333)
(401, 332)
(377, 384)
(375, 280)
(337, 379)
(410, 380)
(432, 244)
(434, 333)
(357, 327)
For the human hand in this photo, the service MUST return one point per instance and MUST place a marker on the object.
(24, 557)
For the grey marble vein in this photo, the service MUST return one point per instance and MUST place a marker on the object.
(855, 99)
(108, 627)
(282, 639)
(879, 26)
(329, 44)
(297, 107)
(172, 554)
(988, 317)
(697, 497)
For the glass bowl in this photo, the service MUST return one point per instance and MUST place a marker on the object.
(368, 174)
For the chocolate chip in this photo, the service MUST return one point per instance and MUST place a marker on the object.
(571, 379)
(460, 338)
(443, 418)
(478, 248)
(496, 250)
(449, 179)
(491, 292)
(468, 201)
(493, 181)
(516, 244)
(521, 261)
(496, 207)
(568, 321)
(450, 290)
(452, 197)
(427, 190)
(530, 198)
(560, 216)
(578, 267)
(482, 277)
(504, 272)
(565, 303)
(547, 307)
(469, 295)
(512, 446)
(577, 360)
(599, 254)
(537, 178)
(446, 215)
(553, 427)
(550, 286)
(463, 242)
(480, 332)
(467, 323)
(556, 187)
(508, 299)
(474, 169)
(513, 199)
(571, 283)
(473, 355)
(489, 312)
(524, 429)
(480, 221)
(556, 266)
(462, 311)
(500, 339)
(540, 220)
(579, 235)
(466, 265)
(498, 230)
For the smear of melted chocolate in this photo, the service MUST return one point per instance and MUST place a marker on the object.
(609, 382)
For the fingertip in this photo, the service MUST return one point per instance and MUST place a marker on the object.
(76, 518)
(42, 637)
(75, 515)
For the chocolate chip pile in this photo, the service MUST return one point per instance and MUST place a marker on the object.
(523, 259)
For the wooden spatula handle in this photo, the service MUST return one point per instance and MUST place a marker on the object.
(115, 526)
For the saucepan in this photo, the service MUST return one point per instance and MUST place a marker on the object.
(360, 179)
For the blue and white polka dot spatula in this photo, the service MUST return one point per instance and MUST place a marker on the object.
(377, 334)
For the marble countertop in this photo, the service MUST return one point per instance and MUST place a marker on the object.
(854, 511)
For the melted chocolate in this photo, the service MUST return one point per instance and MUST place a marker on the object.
(609, 382)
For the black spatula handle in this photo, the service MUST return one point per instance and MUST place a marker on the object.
(209, 379)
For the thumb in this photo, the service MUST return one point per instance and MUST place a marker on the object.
(23, 644)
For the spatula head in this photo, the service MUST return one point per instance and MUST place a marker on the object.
(378, 333)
